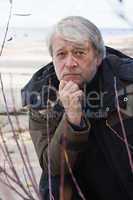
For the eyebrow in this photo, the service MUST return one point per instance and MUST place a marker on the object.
(74, 47)
(58, 50)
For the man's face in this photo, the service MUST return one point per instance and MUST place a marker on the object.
(72, 61)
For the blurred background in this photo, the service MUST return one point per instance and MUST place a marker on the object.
(25, 48)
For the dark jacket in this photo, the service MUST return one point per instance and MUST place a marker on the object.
(97, 154)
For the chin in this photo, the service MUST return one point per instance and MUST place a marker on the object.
(72, 79)
(75, 78)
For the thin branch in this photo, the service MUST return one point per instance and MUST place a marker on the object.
(13, 131)
(48, 152)
(26, 181)
(73, 177)
(117, 134)
(122, 126)
(13, 189)
(32, 178)
(18, 181)
(7, 27)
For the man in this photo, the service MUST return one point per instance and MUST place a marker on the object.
(81, 115)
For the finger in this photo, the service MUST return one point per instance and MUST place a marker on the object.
(76, 94)
(71, 87)
(75, 104)
(62, 84)
(76, 99)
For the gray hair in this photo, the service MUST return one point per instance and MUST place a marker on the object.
(78, 29)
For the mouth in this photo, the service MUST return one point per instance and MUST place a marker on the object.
(72, 77)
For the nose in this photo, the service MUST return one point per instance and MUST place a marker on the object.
(70, 61)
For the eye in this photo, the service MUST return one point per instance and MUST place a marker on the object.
(61, 54)
(79, 53)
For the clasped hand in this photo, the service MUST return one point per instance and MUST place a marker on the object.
(71, 95)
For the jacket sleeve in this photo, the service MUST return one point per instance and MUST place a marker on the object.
(60, 131)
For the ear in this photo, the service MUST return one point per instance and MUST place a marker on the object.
(99, 61)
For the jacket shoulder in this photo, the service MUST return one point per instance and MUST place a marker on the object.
(37, 85)
(120, 64)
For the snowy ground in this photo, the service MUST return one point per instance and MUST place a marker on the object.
(22, 138)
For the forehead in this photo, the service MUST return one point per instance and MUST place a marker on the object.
(59, 43)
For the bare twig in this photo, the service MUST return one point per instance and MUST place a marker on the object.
(118, 136)
(28, 164)
(7, 27)
(123, 128)
(73, 177)
(48, 152)
(17, 180)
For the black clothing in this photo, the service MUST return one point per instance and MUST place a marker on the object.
(102, 170)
